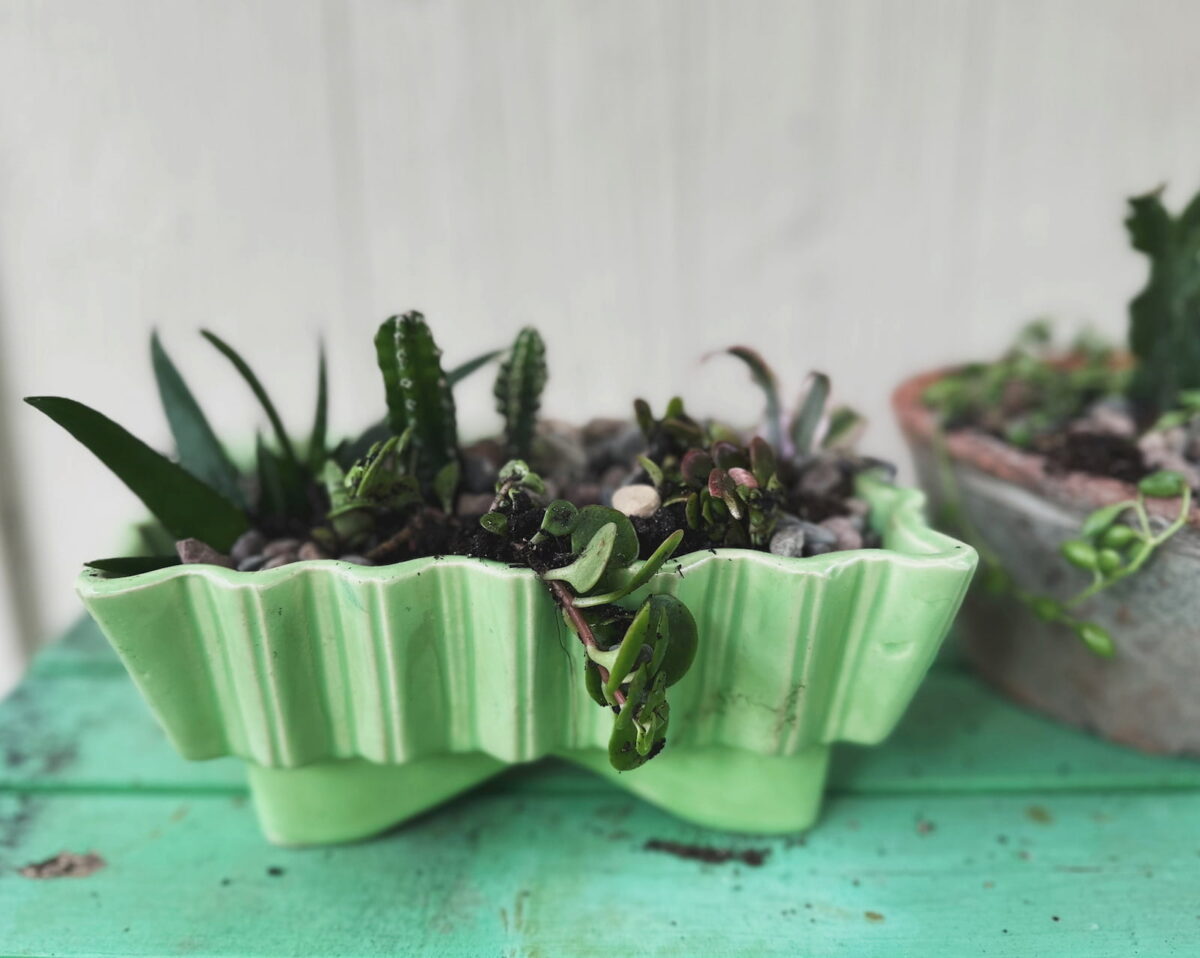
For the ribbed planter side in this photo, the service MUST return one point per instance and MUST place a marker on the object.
(322, 662)
(1145, 695)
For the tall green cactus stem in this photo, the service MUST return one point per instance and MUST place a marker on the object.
(418, 393)
(518, 391)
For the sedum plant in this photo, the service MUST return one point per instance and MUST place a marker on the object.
(630, 657)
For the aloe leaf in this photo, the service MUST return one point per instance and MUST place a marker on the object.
(257, 388)
(807, 420)
(586, 570)
(629, 582)
(459, 373)
(131, 565)
(764, 378)
(418, 393)
(272, 501)
(185, 505)
(316, 443)
(352, 450)
(200, 452)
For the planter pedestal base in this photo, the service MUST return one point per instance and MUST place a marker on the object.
(723, 788)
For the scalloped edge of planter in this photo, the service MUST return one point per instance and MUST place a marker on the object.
(362, 696)
(1144, 697)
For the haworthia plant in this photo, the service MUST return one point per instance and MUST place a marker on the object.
(200, 452)
(182, 503)
(418, 392)
(518, 391)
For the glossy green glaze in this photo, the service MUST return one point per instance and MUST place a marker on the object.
(363, 696)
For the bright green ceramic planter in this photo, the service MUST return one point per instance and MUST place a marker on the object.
(360, 696)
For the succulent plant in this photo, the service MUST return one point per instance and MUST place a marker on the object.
(631, 657)
(518, 391)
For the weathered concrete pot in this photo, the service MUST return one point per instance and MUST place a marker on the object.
(1146, 695)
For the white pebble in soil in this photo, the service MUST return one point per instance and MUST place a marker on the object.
(637, 500)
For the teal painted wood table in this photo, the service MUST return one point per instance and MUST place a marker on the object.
(976, 830)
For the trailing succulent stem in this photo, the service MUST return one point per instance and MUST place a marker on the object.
(518, 391)
(418, 393)
(631, 657)
(1114, 543)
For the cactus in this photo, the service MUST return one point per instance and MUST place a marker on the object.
(418, 393)
(518, 391)
(1164, 318)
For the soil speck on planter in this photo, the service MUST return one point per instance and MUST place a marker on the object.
(924, 826)
(275, 871)
(65, 865)
(1039, 814)
(707, 854)
(873, 916)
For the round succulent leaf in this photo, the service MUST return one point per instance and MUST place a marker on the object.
(495, 522)
(593, 559)
(560, 517)
(1080, 553)
(592, 518)
(1096, 639)
(1109, 561)
(727, 455)
(679, 626)
(695, 467)
(1164, 484)
(1102, 519)
(1118, 537)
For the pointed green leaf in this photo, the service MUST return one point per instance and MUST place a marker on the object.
(200, 452)
(131, 565)
(316, 442)
(257, 388)
(182, 503)
(459, 373)
(1102, 518)
(808, 416)
(764, 378)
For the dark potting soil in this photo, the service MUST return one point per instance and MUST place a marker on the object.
(1099, 454)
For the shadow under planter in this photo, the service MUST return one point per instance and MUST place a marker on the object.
(362, 696)
(1145, 695)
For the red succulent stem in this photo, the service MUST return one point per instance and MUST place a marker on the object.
(566, 598)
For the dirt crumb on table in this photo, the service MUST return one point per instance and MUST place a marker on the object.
(708, 854)
(65, 865)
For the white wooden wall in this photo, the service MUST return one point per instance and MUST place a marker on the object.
(864, 187)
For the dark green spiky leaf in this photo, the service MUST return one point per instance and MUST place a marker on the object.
(182, 503)
(808, 416)
(764, 378)
(845, 427)
(200, 452)
(459, 373)
(518, 391)
(418, 393)
(256, 387)
(349, 452)
(131, 565)
(316, 441)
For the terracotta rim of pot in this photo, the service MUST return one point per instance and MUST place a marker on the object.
(1005, 461)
